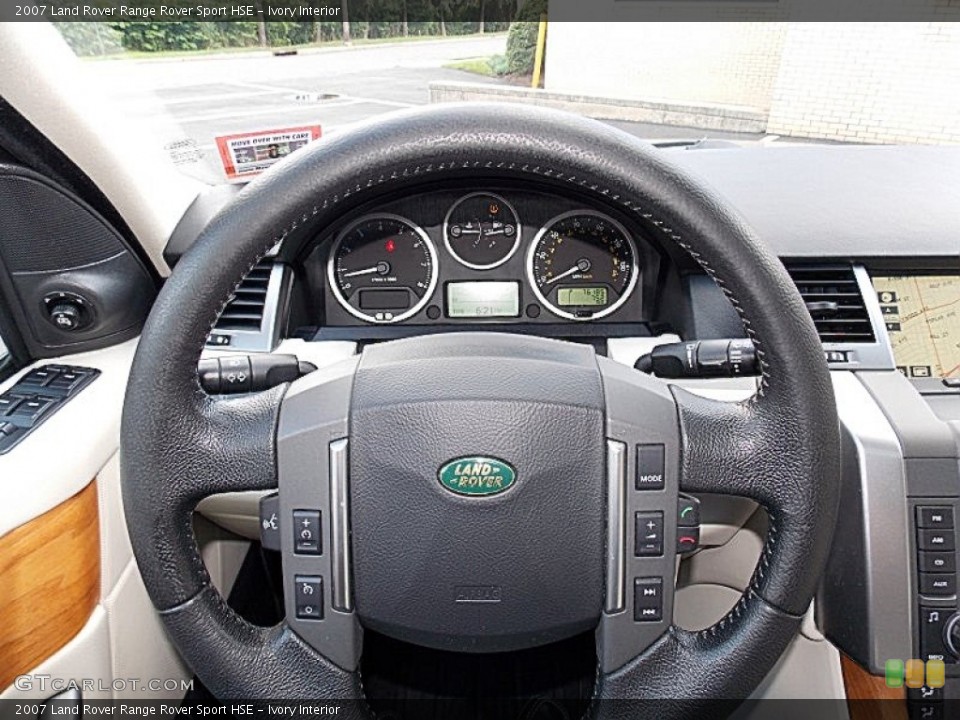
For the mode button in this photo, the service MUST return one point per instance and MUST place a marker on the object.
(650, 467)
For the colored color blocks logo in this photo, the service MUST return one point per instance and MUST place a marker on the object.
(915, 673)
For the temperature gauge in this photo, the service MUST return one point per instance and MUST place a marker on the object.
(482, 231)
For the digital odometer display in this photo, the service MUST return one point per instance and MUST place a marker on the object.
(582, 296)
(583, 265)
(383, 268)
(483, 299)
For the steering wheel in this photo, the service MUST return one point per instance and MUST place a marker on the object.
(553, 429)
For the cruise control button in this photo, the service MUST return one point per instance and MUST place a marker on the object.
(307, 532)
(648, 599)
(938, 584)
(937, 562)
(935, 517)
(650, 467)
(308, 597)
(648, 541)
(936, 540)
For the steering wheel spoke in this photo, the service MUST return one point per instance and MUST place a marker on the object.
(724, 447)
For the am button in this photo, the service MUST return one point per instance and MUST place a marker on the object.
(935, 540)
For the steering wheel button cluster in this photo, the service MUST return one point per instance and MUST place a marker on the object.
(309, 597)
(307, 532)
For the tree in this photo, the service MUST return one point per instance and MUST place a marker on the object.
(261, 24)
(441, 6)
(346, 23)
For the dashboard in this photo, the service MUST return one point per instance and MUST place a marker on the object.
(483, 255)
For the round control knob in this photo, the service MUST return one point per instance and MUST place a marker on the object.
(66, 316)
(68, 311)
(951, 634)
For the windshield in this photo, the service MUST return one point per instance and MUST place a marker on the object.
(225, 99)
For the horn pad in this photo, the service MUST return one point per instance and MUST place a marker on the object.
(447, 552)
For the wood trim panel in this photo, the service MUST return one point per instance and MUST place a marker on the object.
(861, 686)
(49, 582)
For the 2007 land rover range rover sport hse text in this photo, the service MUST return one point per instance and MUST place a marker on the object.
(480, 359)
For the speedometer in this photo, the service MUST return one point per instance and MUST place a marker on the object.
(382, 268)
(582, 265)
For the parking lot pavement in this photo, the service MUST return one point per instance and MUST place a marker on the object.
(187, 102)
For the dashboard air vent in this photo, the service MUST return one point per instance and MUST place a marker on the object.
(835, 302)
(245, 309)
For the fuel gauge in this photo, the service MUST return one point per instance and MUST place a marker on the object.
(482, 231)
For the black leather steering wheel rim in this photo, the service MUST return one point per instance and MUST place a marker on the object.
(781, 448)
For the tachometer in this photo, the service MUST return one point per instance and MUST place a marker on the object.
(382, 268)
(482, 231)
(582, 265)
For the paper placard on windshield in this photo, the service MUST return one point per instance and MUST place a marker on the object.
(248, 154)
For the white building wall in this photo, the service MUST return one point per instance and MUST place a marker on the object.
(732, 63)
(869, 82)
(855, 82)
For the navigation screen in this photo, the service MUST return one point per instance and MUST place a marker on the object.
(922, 313)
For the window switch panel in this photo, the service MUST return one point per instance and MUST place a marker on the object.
(36, 396)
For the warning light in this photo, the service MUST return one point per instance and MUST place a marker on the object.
(391, 245)
(494, 208)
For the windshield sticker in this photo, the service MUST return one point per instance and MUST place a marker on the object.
(248, 154)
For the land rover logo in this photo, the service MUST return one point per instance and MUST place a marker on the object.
(477, 476)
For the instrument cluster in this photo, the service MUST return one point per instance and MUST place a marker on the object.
(484, 256)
